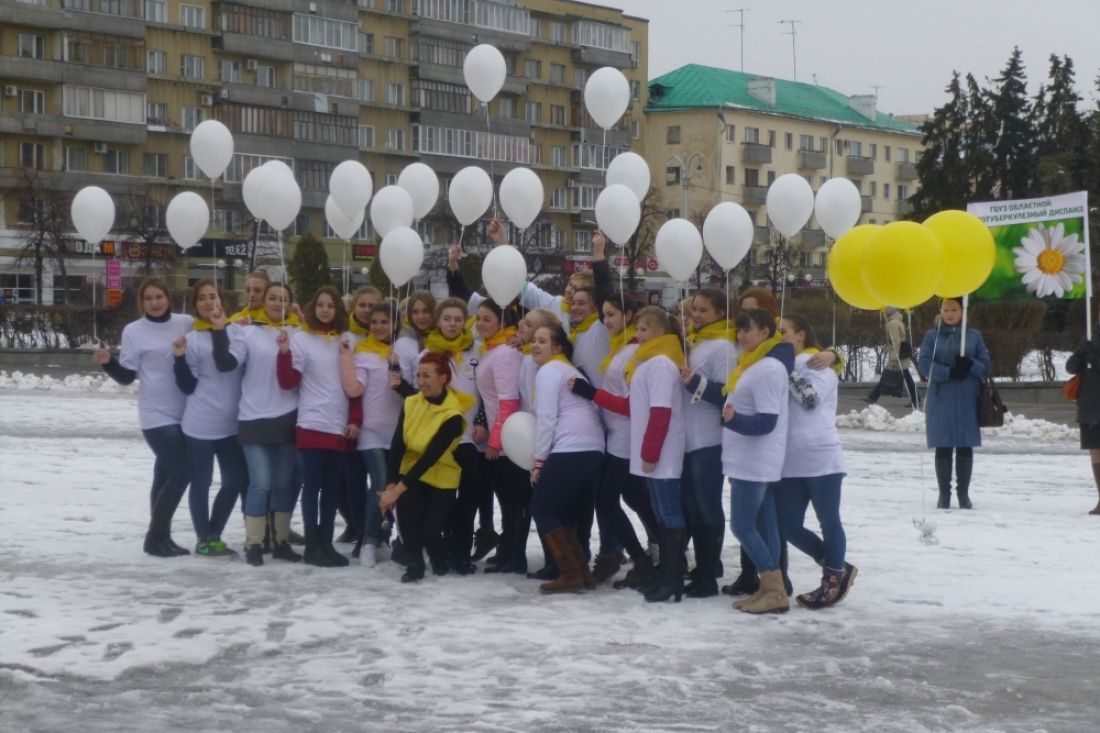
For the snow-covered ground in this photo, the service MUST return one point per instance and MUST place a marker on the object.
(988, 626)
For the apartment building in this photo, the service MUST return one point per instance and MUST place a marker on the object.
(106, 92)
(717, 135)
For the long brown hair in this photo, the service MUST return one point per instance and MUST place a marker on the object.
(801, 325)
(152, 282)
(339, 322)
(193, 298)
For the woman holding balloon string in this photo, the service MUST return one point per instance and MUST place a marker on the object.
(146, 354)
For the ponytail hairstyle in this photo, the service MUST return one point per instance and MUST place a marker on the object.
(659, 317)
(441, 362)
(558, 337)
(801, 325)
(625, 303)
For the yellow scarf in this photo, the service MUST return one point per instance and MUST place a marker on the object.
(355, 327)
(499, 338)
(253, 315)
(564, 305)
(618, 341)
(371, 345)
(562, 358)
(329, 335)
(201, 324)
(666, 345)
(456, 346)
(288, 320)
(583, 326)
(526, 349)
(811, 351)
(722, 329)
(748, 359)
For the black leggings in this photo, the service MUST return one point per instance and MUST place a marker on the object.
(964, 467)
(617, 481)
(471, 488)
(423, 512)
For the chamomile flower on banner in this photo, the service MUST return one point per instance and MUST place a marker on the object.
(1050, 261)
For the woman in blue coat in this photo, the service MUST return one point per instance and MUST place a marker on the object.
(951, 409)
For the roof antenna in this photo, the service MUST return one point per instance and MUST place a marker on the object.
(793, 33)
(741, 25)
(876, 87)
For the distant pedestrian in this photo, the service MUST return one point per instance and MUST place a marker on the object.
(1085, 362)
(899, 358)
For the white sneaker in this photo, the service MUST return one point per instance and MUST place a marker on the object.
(369, 556)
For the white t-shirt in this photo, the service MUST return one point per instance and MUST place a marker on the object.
(614, 382)
(534, 297)
(712, 359)
(147, 349)
(589, 350)
(566, 423)
(408, 355)
(657, 383)
(761, 389)
(261, 396)
(813, 443)
(322, 403)
(527, 371)
(381, 405)
(211, 412)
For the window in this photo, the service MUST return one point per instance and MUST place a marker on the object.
(156, 113)
(874, 189)
(395, 139)
(230, 71)
(580, 76)
(314, 30)
(886, 190)
(192, 67)
(366, 43)
(823, 144)
(731, 133)
(635, 53)
(874, 151)
(31, 46)
(557, 156)
(886, 153)
(806, 143)
(557, 114)
(366, 90)
(582, 242)
(731, 175)
(301, 224)
(395, 47)
(190, 170)
(103, 104)
(311, 126)
(265, 76)
(672, 135)
(442, 96)
(855, 149)
(532, 111)
(557, 73)
(823, 180)
(156, 11)
(903, 192)
(323, 79)
(243, 163)
(192, 16)
(532, 69)
(156, 62)
(536, 28)
(557, 32)
(672, 175)
(227, 220)
(76, 158)
(154, 165)
(771, 177)
(601, 35)
(858, 184)
(594, 155)
(635, 88)
(635, 129)
(788, 140)
(192, 116)
(366, 136)
(903, 157)
(771, 138)
(395, 94)
(557, 198)
(32, 101)
(839, 146)
(752, 135)
(752, 177)
(506, 108)
(809, 179)
(395, 6)
(673, 213)
(18, 288)
(117, 161)
(470, 144)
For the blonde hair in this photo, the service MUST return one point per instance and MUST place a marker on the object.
(658, 317)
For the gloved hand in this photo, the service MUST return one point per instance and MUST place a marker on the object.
(961, 367)
(584, 389)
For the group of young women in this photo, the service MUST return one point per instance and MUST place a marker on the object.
(404, 410)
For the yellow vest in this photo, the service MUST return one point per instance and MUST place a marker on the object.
(422, 422)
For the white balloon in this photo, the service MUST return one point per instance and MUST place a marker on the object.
(618, 212)
(470, 194)
(187, 217)
(401, 254)
(391, 208)
(422, 185)
(521, 196)
(727, 234)
(838, 206)
(517, 437)
(631, 170)
(679, 248)
(280, 201)
(504, 271)
(484, 70)
(344, 227)
(253, 184)
(279, 167)
(93, 213)
(350, 186)
(790, 203)
(212, 147)
(606, 96)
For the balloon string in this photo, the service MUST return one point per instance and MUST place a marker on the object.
(282, 264)
(489, 151)
(603, 153)
(727, 321)
(213, 249)
(95, 300)
(783, 279)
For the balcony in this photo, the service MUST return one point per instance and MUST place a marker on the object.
(755, 195)
(453, 75)
(65, 15)
(858, 166)
(810, 160)
(592, 56)
(813, 237)
(73, 128)
(907, 171)
(865, 204)
(761, 235)
(259, 47)
(53, 72)
(756, 153)
(904, 208)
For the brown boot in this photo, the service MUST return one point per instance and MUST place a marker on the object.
(572, 569)
(578, 550)
(773, 597)
(606, 566)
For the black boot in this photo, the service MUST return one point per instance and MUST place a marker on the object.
(254, 555)
(314, 552)
(671, 572)
(964, 468)
(485, 539)
(158, 540)
(943, 476)
(944, 500)
(784, 561)
(335, 559)
(704, 583)
(517, 544)
(747, 582)
(156, 546)
(641, 573)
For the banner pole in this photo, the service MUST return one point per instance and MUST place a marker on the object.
(1088, 272)
(966, 307)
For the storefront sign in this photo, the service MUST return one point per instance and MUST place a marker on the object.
(114, 275)
(363, 251)
(84, 247)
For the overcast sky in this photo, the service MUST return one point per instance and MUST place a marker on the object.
(906, 47)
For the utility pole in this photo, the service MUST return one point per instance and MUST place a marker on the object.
(876, 87)
(686, 172)
(792, 33)
(741, 26)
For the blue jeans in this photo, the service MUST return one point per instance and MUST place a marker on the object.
(322, 472)
(752, 519)
(668, 501)
(209, 522)
(702, 486)
(375, 461)
(170, 471)
(792, 495)
(270, 478)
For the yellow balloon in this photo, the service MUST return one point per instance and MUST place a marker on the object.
(844, 267)
(968, 251)
(902, 265)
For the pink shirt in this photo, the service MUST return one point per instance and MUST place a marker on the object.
(498, 378)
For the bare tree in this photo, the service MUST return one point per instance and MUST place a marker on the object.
(141, 219)
(44, 212)
(640, 246)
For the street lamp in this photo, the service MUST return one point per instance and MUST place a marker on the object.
(686, 173)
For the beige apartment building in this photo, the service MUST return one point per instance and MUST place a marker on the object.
(106, 92)
(716, 135)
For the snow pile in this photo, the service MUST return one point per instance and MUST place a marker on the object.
(874, 417)
(69, 383)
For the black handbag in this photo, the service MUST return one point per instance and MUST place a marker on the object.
(891, 383)
(991, 410)
(905, 350)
